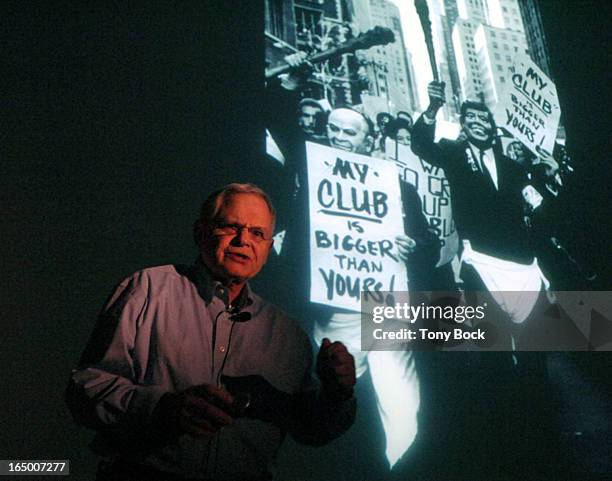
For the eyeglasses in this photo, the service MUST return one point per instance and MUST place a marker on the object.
(256, 234)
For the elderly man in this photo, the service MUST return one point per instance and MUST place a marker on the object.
(350, 131)
(191, 375)
(393, 373)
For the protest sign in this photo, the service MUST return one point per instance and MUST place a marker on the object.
(529, 107)
(433, 188)
(355, 214)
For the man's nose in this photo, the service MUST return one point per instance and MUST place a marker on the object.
(242, 236)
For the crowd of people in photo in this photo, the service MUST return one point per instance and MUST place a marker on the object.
(506, 204)
(189, 374)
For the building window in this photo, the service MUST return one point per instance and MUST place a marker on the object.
(308, 21)
(275, 18)
(502, 80)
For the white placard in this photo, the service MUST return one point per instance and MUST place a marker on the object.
(529, 107)
(355, 215)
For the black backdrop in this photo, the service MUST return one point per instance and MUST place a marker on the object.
(118, 119)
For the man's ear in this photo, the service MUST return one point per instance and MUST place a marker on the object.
(369, 143)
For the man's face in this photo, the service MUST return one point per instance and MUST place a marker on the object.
(515, 152)
(347, 130)
(308, 119)
(477, 126)
(403, 137)
(236, 246)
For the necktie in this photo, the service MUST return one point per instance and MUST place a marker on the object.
(485, 169)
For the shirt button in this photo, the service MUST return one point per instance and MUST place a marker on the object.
(221, 348)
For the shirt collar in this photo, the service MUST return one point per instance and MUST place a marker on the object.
(209, 288)
(476, 150)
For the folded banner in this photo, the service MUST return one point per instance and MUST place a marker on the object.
(355, 214)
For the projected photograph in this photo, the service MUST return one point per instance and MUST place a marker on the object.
(418, 146)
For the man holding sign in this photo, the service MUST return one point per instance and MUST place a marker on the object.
(336, 175)
(489, 193)
(329, 258)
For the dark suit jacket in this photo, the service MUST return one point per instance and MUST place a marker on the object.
(492, 219)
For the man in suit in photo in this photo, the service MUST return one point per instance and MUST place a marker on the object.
(490, 195)
(503, 393)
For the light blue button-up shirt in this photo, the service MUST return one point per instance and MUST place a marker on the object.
(167, 328)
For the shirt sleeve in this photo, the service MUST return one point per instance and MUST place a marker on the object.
(422, 142)
(103, 390)
(315, 419)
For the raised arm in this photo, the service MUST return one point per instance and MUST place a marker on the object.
(423, 132)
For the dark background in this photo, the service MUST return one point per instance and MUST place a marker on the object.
(117, 120)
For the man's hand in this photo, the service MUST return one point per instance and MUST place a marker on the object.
(550, 168)
(301, 69)
(437, 98)
(199, 411)
(255, 397)
(405, 246)
(336, 370)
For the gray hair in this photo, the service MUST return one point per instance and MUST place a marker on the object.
(212, 205)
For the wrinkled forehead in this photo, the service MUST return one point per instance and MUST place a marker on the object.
(346, 118)
(245, 208)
